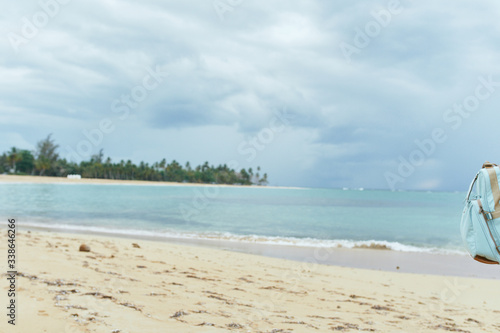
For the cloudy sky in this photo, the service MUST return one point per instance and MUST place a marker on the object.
(373, 94)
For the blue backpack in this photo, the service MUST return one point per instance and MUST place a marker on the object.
(480, 225)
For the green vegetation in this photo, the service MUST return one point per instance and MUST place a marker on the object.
(46, 162)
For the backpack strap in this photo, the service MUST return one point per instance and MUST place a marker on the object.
(495, 190)
(491, 229)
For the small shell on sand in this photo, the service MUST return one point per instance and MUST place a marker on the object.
(84, 248)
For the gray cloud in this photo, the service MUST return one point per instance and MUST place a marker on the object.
(227, 79)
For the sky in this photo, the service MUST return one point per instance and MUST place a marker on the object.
(399, 95)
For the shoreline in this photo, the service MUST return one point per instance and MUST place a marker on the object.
(125, 285)
(459, 265)
(14, 179)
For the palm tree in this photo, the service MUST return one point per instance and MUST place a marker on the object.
(42, 164)
(13, 157)
(45, 161)
(46, 156)
(263, 181)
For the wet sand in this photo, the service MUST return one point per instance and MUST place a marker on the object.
(376, 259)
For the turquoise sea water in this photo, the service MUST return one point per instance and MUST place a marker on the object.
(404, 221)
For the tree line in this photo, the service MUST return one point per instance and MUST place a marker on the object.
(45, 161)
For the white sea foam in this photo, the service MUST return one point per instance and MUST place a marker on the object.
(255, 239)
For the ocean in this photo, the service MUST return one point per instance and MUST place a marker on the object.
(341, 218)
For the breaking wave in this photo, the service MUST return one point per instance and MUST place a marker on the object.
(253, 239)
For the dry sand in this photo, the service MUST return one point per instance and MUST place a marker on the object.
(63, 180)
(163, 287)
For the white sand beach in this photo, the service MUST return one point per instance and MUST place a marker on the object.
(126, 285)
